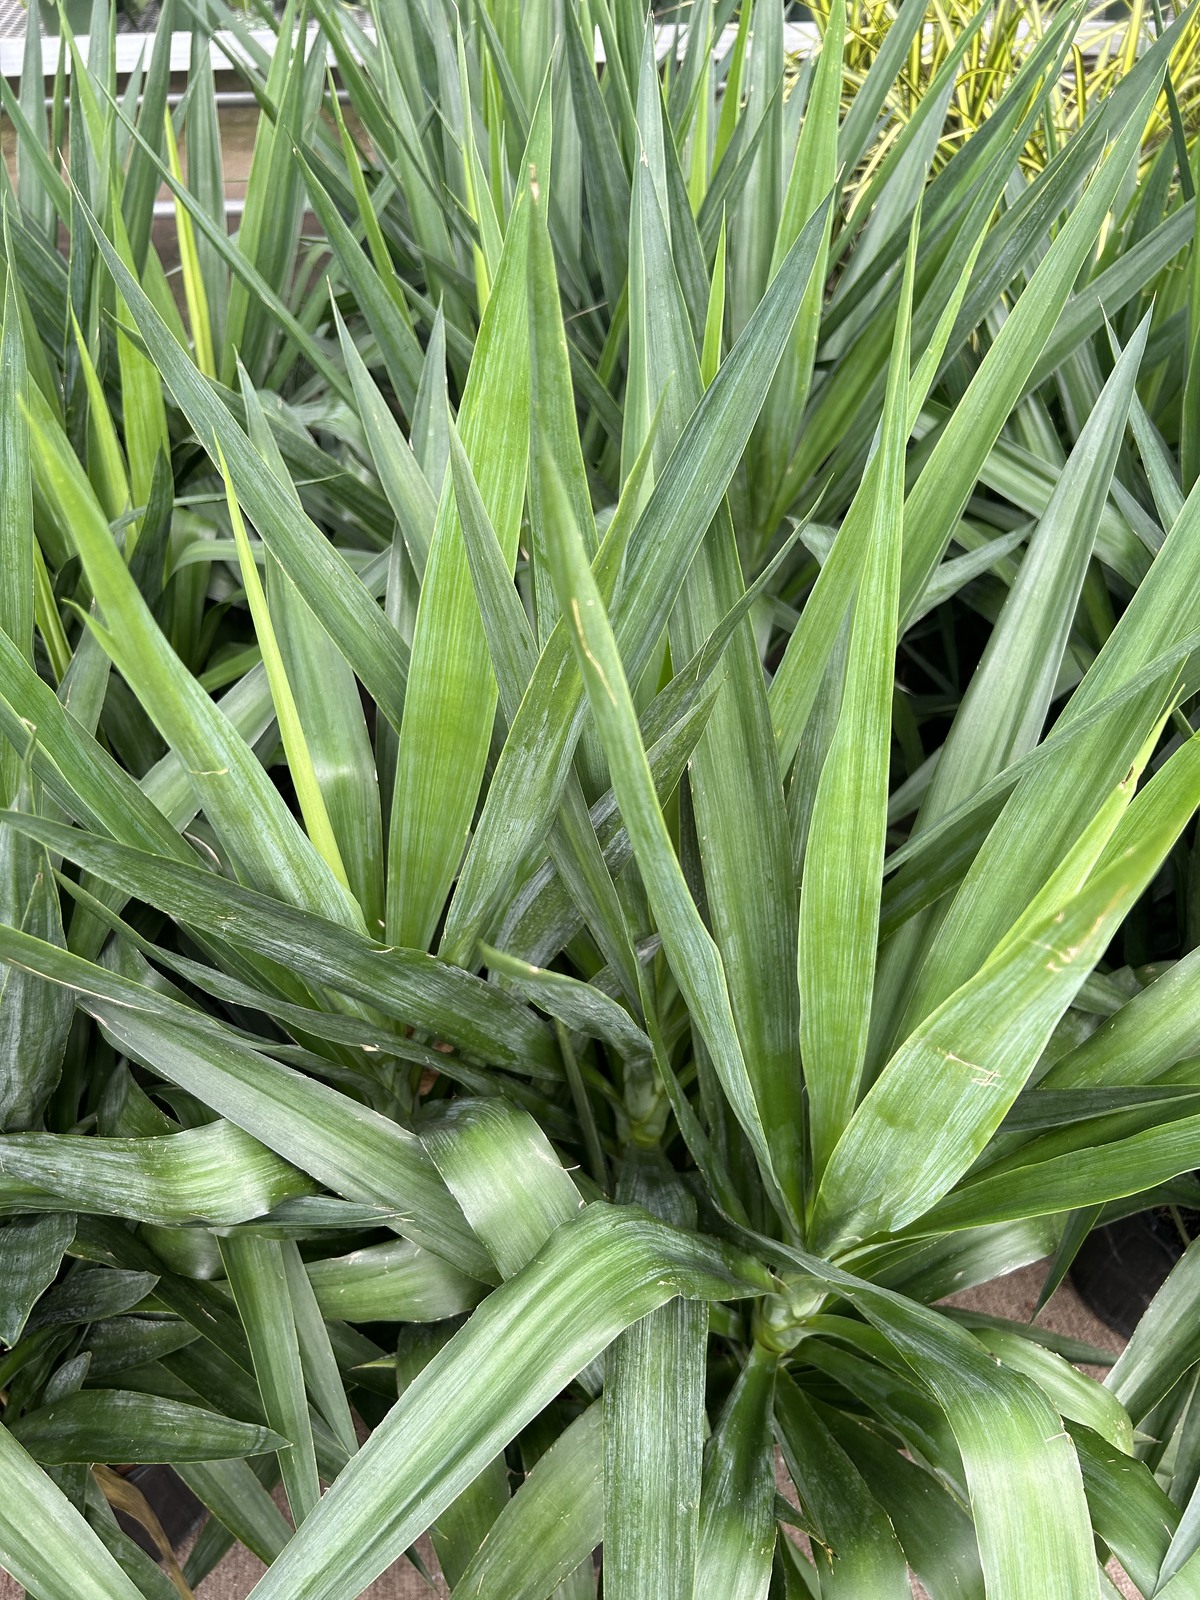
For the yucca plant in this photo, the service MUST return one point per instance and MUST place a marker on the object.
(600, 782)
(961, 59)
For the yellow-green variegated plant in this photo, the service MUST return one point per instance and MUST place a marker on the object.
(599, 780)
(962, 58)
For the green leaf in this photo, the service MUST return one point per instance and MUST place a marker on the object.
(255, 1270)
(854, 1545)
(581, 1006)
(502, 1170)
(451, 694)
(595, 1276)
(189, 267)
(937, 498)
(141, 180)
(1074, 1395)
(1003, 710)
(87, 1295)
(839, 901)
(44, 1542)
(31, 1251)
(974, 1052)
(734, 779)
(1129, 1511)
(533, 765)
(390, 325)
(737, 1522)
(122, 1425)
(417, 989)
(1141, 1040)
(605, 181)
(321, 1374)
(1006, 702)
(299, 757)
(238, 797)
(214, 1175)
(314, 1126)
(813, 176)
(501, 836)
(1164, 1345)
(354, 621)
(572, 842)
(551, 1525)
(34, 1022)
(1015, 1454)
(411, 496)
(695, 959)
(237, 1499)
(16, 509)
(653, 1426)
(934, 1531)
(797, 681)
(394, 1282)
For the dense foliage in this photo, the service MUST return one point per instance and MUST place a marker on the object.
(597, 737)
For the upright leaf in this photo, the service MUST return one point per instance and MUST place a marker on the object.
(451, 694)
(839, 899)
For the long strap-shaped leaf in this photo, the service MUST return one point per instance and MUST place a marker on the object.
(33, 1027)
(136, 1427)
(393, 1282)
(552, 1524)
(855, 1545)
(1002, 713)
(695, 959)
(370, 644)
(1165, 1344)
(31, 1251)
(502, 835)
(215, 1174)
(797, 681)
(1054, 1183)
(255, 1269)
(1017, 1457)
(1055, 801)
(527, 1340)
(418, 989)
(1005, 706)
(534, 763)
(653, 1427)
(1141, 1040)
(839, 900)
(504, 1173)
(572, 843)
(931, 508)
(813, 175)
(938, 858)
(949, 1084)
(16, 510)
(733, 775)
(937, 498)
(241, 802)
(345, 1145)
(451, 696)
(737, 1509)
(330, 708)
(45, 1543)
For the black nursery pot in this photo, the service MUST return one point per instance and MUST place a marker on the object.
(1122, 1266)
(172, 1502)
